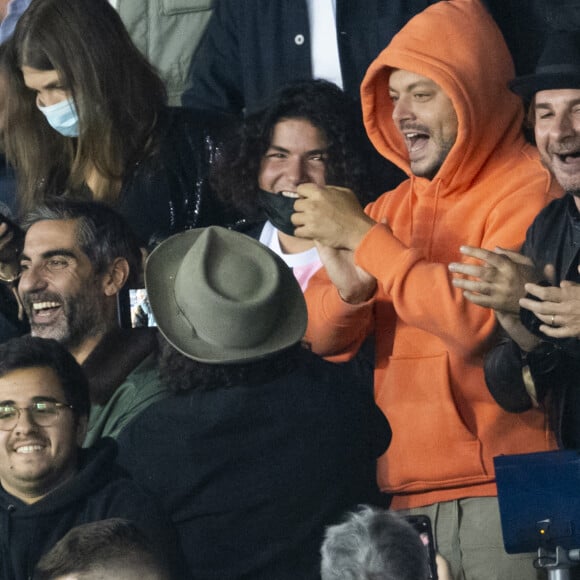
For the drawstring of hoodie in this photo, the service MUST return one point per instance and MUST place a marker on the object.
(414, 199)
(435, 208)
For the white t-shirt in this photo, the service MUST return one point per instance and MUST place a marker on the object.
(303, 264)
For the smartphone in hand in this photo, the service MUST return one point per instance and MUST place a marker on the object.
(133, 309)
(422, 524)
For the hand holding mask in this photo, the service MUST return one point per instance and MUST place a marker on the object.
(278, 208)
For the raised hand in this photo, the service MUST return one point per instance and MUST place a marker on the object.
(353, 284)
(498, 281)
(330, 215)
(558, 307)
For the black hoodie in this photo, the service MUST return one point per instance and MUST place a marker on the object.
(98, 491)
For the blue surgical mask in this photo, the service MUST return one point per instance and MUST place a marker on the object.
(62, 117)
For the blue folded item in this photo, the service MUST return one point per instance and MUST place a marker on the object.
(539, 500)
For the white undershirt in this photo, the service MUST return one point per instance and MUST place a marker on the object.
(303, 264)
(323, 41)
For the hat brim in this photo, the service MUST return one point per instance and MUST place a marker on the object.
(528, 85)
(160, 272)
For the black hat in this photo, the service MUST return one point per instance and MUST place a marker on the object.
(558, 67)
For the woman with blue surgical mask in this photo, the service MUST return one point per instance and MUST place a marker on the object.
(87, 118)
(62, 117)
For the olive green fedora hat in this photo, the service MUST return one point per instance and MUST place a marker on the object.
(219, 296)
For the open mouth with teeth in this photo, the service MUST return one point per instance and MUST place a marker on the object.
(571, 157)
(291, 194)
(416, 141)
(44, 311)
(29, 449)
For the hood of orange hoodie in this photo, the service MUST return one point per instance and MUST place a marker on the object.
(456, 44)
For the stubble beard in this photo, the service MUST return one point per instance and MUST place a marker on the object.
(433, 168)
(81, 317)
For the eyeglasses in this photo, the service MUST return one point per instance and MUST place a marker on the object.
(43, 413)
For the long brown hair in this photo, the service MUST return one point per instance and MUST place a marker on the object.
(117, 93)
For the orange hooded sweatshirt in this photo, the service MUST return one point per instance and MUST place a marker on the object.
(430, 340)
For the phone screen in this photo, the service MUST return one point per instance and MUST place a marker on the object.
(134, 310)
(422, 524)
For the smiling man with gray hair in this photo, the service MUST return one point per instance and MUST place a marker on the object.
(263, 444)
(78, 258)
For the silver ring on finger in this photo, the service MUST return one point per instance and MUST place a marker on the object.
(552, 320)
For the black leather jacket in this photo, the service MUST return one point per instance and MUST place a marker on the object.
(169, 191)
(554, 366)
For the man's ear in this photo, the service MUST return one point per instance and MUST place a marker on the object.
(116, 277)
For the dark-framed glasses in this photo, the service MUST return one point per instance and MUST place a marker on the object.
(42, 413)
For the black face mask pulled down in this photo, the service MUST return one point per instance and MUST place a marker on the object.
(278, 209)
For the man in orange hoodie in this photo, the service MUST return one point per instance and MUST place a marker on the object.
(435, 102)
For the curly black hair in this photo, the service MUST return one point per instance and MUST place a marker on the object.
(326, 107)
(180, 374)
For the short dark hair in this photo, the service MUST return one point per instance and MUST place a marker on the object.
(27, 352)
(102, 233)
(323, 104)
(95, 545)
(373, 544)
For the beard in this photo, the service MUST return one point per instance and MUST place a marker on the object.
(81, 316)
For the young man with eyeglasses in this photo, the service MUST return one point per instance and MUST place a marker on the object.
(48, 483)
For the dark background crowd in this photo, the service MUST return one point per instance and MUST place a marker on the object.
(279, 279)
